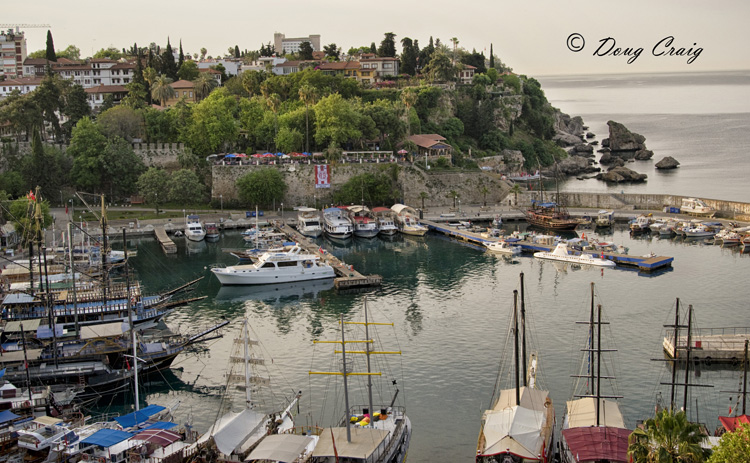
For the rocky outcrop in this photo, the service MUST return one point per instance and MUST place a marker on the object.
(575, 165)
(584, 149)
(667, 163)
(568, 130)
(565, 139)
(626, 144)
(622, 175)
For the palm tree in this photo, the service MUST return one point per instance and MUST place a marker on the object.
(453, 194)
(274, 104)
(423, 196)
(515, 190)
(307, 94)
(150, 75)
(668, 437)
(162, 90)
(484, 190)
(409, 98)
(455, 44)
(204, 85)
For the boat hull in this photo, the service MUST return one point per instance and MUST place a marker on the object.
(227, 276)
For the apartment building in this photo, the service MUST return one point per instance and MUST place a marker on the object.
(12, 53)
(283, 44)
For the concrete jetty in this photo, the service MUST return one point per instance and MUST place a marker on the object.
(166, 243)
(711, 345)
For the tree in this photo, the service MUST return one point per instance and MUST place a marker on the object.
(516, 189)
(455, 44)
(734, 447)
(668, 437)
(121, 168)
(121, 121)
(373, 49)
(86, 148)
(188, 70)
(387, 47)
(203, 53)
(454, 195)
(236, 52)
(50, 53)
(423, 196)
(150, 184)
(274, 104)
(336, 121)
(332, 51)
(409, 98)
(136, 97)
(288, 140)
(307, 94)
(71, 52)
(492, 58)
(185, 187)
(168, 64)
(305, 51)
(110, 53)
(484, 191)
(261, 187)
(440, 67)
(48, 97)
(180, 57)
(204, 85)
(150, 75)
(213, 124)
(24, 212)
(75, 107)
(409, 56)
(162, 90)
(45, 168)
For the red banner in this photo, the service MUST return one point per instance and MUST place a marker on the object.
(323, 176)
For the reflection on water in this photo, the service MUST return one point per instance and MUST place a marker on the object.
(278, 294)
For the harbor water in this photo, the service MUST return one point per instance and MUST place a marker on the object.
(450, 304)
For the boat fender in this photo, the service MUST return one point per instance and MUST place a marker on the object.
(27, 404)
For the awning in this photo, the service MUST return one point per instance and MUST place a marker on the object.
(280, 447)
(731, 423)
(106, 330)
(6, 416)
(47, 420)
(107, 437)
(517, 429)
(233, 429)
(160, 437)
(161, 425)
(17, 356)
(598, 443)
(582, 412)
(28, 325)
(135, 418)
(364, 442)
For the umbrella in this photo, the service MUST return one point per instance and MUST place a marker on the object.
(230, 156)
(279, 154)
(402, 151)
(241, 155)
(257, 155)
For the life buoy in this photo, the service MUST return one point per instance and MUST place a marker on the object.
(102, 460)
(85, 457)
(26, 404)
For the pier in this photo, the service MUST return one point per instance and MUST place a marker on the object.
(167, 244)
(643, 263)
(711, 345)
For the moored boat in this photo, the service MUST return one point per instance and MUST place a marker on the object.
(365, 224)
(503, 247)
(308, 222)
(386, 221)
(336, 224)
(641, 224)
(560, 253)
(605, 218)
(212, 231)
(276, 267)
(550, 216)
(696, 207)
(407, 220)
(194, 230)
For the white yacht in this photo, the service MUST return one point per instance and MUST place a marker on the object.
(561, 253)
(386, 221)
(365, 224)
(308, 222)
(697, 207)
(406, 220)
(194, 230)
(336, 223)
(605, 218)
(503, 247)
(276, 267)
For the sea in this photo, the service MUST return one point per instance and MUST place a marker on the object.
(451, 304)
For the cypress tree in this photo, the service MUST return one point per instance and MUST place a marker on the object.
(51, 55)
(373, 48)
(182, 57)
(169, 66)
(236, 51)
(492, 57)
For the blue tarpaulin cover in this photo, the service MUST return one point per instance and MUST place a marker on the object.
(161, 425)
(132, 419)
(107, 437)
(7, 415)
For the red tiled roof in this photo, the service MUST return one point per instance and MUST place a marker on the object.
(379, 59)
(107, 89)
(339, 65)
(34, 61)
(182, 84)
(426, 140)
(287, 64)
(67, 61)
(209, 70)
(21, 81)
(71, 67)
(101, 60)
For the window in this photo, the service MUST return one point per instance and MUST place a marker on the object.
(191, 93)
(387, 65)
(365, 66)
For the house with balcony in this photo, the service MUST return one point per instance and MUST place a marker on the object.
(24, 85)
(340, 68)
(96, 95)
(466, 73)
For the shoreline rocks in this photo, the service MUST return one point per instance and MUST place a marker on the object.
(667, 163)
(622, 174)
(626, 144)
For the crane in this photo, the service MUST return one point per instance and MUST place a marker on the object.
(23, 26)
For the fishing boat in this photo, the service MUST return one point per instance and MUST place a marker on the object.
(365, 223)
(520, 425)
(194, 230)
(212, 231)
(605, 219)
(308, 222)
(503, 247)
(372, 432)
(696, 207)
(407, 220)
(700, 230)
(593, 428)
(550, 216)
(276, 267)
(560, 253)
(386, 221)
(336, 224)
(641, 224)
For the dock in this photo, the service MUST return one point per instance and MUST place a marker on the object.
(347, 276)
(167, 245)
(643, 263)
(711, 345)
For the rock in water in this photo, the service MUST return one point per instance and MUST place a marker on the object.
(667, 163)
(626, 144)
(621, 174)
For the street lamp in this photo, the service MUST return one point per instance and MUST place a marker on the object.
(459, 206)
(221, 198)
(282, 212)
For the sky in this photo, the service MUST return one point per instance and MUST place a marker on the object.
(534, 37)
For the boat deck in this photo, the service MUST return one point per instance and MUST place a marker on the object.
(720, 345)
(643, 263)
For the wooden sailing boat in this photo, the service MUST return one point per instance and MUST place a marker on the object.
(550, 215)
(520, 426)
(364, 435)
(593, 429)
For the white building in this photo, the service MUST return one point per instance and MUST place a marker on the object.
(12, 53)
(232, 67)
(283, 45)
(24, 85)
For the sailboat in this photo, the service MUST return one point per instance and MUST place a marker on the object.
(235, 434)
(733, 421)
(520, 425)
(364, 435)
(550, 215)
(593, 428)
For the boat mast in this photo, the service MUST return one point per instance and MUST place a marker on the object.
(346, 385)
(73, 276)
(523, 329)
(598, 363)
(674, 364)
(591, 342)
(687, 357)
(104, 253)
(26, 363)
(367, 357)
(515, 336)
(130, 320)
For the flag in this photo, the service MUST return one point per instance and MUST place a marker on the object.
(323, 176)
(66, 208)
(31, 196)
(127, 364)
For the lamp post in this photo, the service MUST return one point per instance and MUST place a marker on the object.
(221, 198)
(72, 211)
(315, 197)
(459, 206)
(282, 212)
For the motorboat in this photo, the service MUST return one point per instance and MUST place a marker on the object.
(386, 221)
(365, 224)
(605, 219)
(641, 224)
(727, 237)
(407, 222)
(560, 253)
(194, 230)
(700, 230)
(696, 207)
(212, 231)
(336, 224)
(276, 267)
(308, 222)
(503, 247)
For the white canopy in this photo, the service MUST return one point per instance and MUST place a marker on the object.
(105, 330)
(233, 429)
(364, 442)
(280, 447)
(582, 413)
(403, 209)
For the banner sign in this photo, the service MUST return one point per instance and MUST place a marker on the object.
(323, 176)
